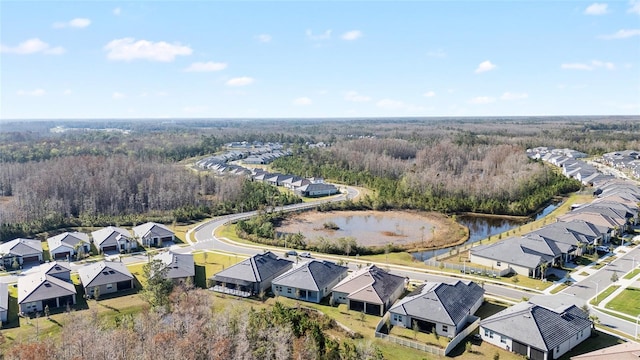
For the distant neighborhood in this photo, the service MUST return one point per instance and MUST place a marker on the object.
(258, 153)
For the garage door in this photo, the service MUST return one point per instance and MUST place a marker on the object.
(62, 255)
(520, 348)
(110, 248)
(537, 354)
(30, 258)
(123, 285)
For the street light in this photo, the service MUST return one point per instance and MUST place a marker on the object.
(597, 284)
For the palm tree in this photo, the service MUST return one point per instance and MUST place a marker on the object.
(543, 269)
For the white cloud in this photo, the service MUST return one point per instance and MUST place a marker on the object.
(514, 96)
(67, 92)
(206, 67)
(36, 92)
(355, 97)
(634, 7)
(352, 35)
(324, 36)
(302, 101)
(128, 49)
(77, 23)
(264, 38)
(117, 11)
(117, 95)
(485, 66)
(480, 100)
(437, 54)
(429, 94)
(621, 34)
(594, 64)
(596, 9)
(240, 81)
(32, 46)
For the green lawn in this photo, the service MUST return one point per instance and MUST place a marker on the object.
(627, 302)
(208, 263)
(559, 288)
(631, 274)
(603, 295)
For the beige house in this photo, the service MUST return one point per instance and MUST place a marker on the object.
(370, 290)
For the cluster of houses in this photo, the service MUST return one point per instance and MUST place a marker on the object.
(628, 160)
(306, 187)
(538, 331)
(75, 245)
(586, 227)
(49, 285)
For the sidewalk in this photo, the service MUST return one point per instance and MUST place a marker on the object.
(589, 270)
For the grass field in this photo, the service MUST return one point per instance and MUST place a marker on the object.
(603, 295)
(631, 274)
(627, 302)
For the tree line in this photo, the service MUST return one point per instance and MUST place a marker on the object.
(445, 176)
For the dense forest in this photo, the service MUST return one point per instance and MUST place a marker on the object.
(196, 328)
(443, 176)
(56, 174)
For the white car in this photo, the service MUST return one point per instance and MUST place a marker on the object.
(305, 254)
(603, 249)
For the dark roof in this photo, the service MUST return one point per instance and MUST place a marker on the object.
(538, 326)
(312, 275)
(440, 302)
(512, 250)
(254, 269)
(370, 284)
(103, 272)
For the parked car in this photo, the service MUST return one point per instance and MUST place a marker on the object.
(602, 249)
(305, 254)
(292, 253)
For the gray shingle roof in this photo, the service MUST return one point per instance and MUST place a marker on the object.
(537, 326)
(311, 275)
(109, 235)
(254, 269)
(41, 283)
(153, 228)
(21, 247)
(69, 239)
(179, 265)
(103, 272)
(440, 302)
(511, 251)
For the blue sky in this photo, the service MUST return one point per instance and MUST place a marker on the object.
(318, 59)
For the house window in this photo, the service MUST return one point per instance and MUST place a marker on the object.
(486, 332)
(445, 328)
(557, 349)
(498, 263)
(109, 286)
(503, 339)
(288, 290)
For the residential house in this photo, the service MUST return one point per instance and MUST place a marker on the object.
(68, 244)
(153, 234)
(519, 255)
(180, 266)
(597, 219)
(316, 190)
(106, 276)
(46, 285)
(309, 281)
(536, 332)
(438, 307)
(252, 276)
(4, 302)
(22, 251)
(629, 350)
(112, 239)
(370, 290)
